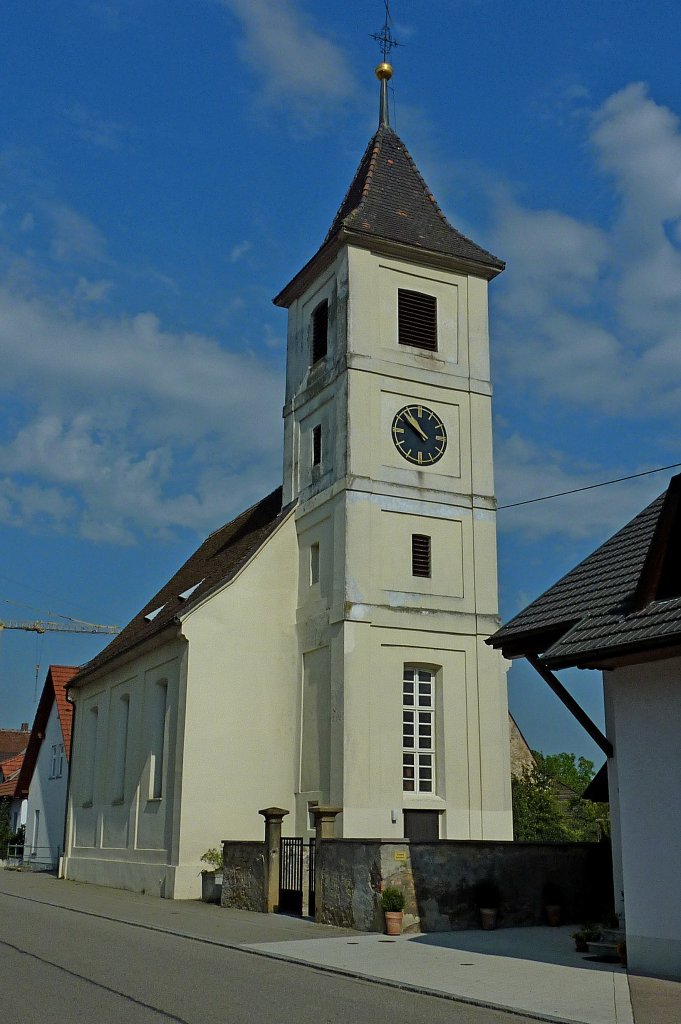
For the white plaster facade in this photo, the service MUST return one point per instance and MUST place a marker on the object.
(46, 802)
(228, 725)
(368, 616)
(643, 716)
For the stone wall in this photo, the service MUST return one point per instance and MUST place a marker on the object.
(438, 879)
(243, 876)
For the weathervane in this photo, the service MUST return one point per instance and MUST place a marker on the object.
(384, 71)
(385, 36)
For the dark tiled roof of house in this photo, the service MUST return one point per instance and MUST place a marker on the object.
(595, 611)
(13, 741)
(214, 563)
(388, 198)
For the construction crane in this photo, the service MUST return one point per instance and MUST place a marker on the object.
(39, 626)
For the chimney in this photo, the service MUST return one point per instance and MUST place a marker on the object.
(24, 726)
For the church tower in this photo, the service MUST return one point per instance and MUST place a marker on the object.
(388, 455)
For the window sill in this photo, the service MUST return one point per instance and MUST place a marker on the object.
(118, 802)
(154, 799)
(423, 801)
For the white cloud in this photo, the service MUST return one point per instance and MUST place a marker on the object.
(239, 251)
(92, 127)
(75, 237)
(128, 428)
(92, 291)
(524, 469)
(593, 315)
(295, 63)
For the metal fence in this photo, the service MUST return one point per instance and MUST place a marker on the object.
(32, 858)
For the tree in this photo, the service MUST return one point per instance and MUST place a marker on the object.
(538, 813)
(575, 773)
(5, 830)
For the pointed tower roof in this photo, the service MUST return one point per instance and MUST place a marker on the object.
(388, 201)
(388, 198)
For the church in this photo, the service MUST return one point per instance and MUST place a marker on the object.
(327, 646)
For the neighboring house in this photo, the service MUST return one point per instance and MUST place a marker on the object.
(620, 611)
(327, 647)
(10, 770)
(44, 774)
(13, 741)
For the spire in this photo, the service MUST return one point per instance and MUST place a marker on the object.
(384, 71)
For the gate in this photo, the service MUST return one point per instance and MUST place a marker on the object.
(291, 876)
(291, 870)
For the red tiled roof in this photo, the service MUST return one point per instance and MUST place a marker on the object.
(54, 689)
(10, 771)
(61, 676)
(12, 741)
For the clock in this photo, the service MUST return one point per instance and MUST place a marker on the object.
(419, 435)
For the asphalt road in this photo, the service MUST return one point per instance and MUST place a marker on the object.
(60, 965)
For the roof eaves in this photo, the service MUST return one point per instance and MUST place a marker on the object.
(192, 604)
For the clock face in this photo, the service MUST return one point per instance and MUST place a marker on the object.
(419, 435)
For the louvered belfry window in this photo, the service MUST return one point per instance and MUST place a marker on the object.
(420, 555)
(320, 331)
(416, 319)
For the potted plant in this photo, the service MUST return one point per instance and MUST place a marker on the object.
(553, 903)
(392, 903)
(586, 934)
(211, 877)
(487, 900)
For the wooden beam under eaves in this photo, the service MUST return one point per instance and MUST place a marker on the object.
(571, 704)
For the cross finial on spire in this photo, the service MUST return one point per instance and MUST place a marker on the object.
(384, 70)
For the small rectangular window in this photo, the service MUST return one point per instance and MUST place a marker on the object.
(420, 555)
(317, 445)
(314, 563)
(416, 319)
(320, 331)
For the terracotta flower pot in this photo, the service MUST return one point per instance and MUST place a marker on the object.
(393, 922)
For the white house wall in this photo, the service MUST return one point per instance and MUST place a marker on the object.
(47, 796)
(646, 703)
(127, 839)
(241, 735)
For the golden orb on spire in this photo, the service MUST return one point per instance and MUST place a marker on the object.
(384, 71)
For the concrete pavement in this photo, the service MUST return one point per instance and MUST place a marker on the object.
(529, 971)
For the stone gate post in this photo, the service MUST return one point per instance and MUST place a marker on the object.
(325, 828)
(273, 818)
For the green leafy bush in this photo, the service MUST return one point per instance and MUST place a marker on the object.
(392, 899)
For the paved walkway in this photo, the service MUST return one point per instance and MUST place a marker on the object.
(531, 971)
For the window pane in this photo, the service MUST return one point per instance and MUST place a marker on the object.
(425, 677)
(409, 674)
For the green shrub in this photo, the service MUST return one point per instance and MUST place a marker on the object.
(392, 898)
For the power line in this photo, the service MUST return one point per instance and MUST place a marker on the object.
(590, 487)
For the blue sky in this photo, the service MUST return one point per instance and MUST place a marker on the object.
(166, 166)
